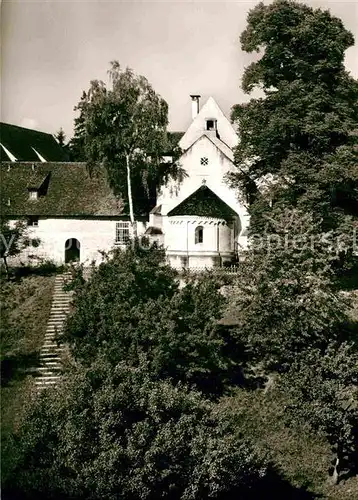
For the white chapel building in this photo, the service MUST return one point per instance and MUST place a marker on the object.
(200, 222)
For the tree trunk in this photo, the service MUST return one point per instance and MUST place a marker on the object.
(6, 268)
(130, 199)
(335, 475)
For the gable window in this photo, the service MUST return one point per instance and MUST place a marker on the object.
(122, 232)
(210, 124)
(204, 160)
(32, 220)
(33, 195)
(199, 234)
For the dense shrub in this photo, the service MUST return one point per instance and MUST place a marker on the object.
(111, 432)
(132, 307)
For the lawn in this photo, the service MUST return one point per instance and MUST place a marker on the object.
(26, 305)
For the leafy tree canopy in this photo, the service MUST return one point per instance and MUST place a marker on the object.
(303, 132)
(176, 330)
(123, 126)
(284, 300)
(111, 432)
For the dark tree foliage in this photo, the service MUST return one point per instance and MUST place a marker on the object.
(321, 388)
(284, 300)
(296, 330)
(61, 137)
(111, 432)
(132, 308)
(301, 137)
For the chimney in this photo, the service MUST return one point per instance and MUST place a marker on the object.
(194, 105)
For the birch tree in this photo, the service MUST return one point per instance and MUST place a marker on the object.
(122, 125)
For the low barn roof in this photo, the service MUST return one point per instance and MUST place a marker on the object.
(64, 189)
(24, 144)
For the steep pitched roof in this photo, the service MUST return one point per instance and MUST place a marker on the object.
(205, 203)
(25, 144)
(69, 190)
(210, 110)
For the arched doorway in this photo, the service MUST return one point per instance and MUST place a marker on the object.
(72, 250)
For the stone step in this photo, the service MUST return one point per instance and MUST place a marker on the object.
(51, 352)
(50, 356)
(47, 371)
(52, 349)
(50, 380)
(50, 365)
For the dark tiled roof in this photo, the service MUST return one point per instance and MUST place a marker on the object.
(20, 142)
(205, 203)
(151, 231)
(65, 189)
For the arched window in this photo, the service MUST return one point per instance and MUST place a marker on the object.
(199, 234)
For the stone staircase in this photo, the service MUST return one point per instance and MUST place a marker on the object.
(49, 370)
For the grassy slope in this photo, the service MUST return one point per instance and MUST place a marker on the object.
(302, 457)
(29, 304)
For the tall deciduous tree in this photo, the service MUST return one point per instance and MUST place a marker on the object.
(14, 238)
(123, 126)
(284, 299)
(303, 130)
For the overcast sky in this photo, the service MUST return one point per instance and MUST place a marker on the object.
(51, 49)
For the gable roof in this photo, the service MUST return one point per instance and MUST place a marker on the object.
(25, 144)
(210, 110)
(64, 189)
(204, 203)
(224, 148)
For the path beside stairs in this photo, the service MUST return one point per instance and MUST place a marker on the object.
(49, 370)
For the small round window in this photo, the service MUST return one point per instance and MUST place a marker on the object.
(204, 160)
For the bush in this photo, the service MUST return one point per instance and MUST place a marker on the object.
(111, 432)
(132, 307)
